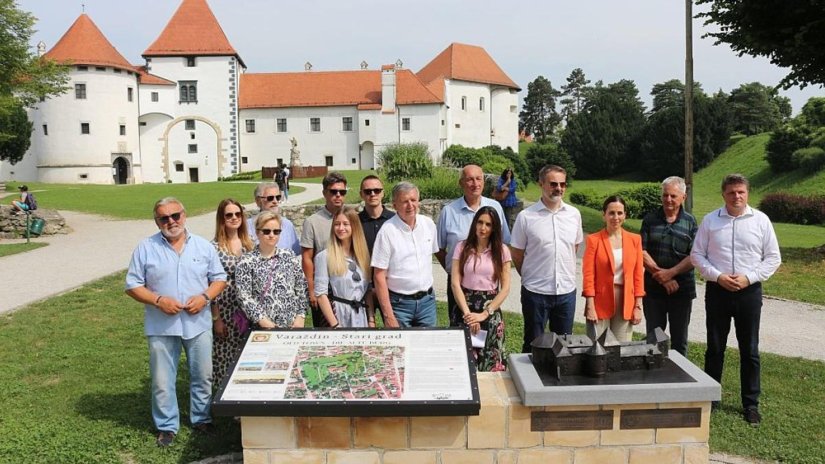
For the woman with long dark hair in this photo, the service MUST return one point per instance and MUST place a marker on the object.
(232, 241)
(613, 274)
(342, 274)
(481, 282)
(505, 193)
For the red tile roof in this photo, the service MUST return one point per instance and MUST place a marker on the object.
(151, 79)
(333, 88)
(192, 31)
(83, 43)
(465, 63)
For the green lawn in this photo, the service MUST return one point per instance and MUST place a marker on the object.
(79, 393)
(7, 249)
(136, 201)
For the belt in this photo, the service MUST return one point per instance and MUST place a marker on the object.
(416, 295)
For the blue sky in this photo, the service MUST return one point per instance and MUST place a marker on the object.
(642, 40)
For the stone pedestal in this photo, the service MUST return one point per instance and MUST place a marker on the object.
(13, 225)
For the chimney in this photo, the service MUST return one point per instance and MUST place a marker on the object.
(388, 88)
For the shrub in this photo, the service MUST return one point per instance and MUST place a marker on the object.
(517, 162)
(248, 175)
(403, 161)
(783, 143)
(459, 156)
(794, 209)
(542, 154)
(441, 185)
(496, 164)
(639, 200)
(810, 159)
(493, 160)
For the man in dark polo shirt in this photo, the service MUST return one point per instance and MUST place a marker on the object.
(667, 239)
(374, 215)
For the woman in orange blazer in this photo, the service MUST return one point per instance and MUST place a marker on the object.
(613, 274)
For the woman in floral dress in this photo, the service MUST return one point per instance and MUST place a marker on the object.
(270, 281)
(232, 240)
(481, 285)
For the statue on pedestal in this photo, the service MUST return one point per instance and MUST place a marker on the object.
(294, 153)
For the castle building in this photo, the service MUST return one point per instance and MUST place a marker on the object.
(190, 112)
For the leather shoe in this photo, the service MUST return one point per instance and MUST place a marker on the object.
(165, 439)
(752, 416)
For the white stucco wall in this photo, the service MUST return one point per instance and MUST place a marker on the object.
(505, 117)
(496, 124)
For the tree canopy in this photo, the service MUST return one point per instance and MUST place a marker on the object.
(538, 115)
(574, 93)
(758, 108)
(790, 33)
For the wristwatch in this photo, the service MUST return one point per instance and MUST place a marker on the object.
(206, 297)
(490, 311)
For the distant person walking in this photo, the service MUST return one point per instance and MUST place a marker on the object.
(670, 287)
(229, 322)
(545, 239)
(613, 274)
(177, 275)
(735, 251)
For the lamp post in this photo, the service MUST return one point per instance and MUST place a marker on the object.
(689, 104)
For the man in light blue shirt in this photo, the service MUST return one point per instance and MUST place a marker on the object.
(454, 225)
(267, 197)
(176, 275)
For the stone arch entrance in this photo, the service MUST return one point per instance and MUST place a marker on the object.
(120, 170)
(221, 159)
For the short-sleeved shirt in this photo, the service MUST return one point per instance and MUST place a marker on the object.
(158, 267)
(288, 239)
(668, 244)
(479, 270)
(549, 241)
(454, 224)
(406, 254)
(315, 234)
(372, 225)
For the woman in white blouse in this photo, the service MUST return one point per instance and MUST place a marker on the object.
(342, 274)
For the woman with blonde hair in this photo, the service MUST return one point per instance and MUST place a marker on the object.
(342, 275)
(232, 241)
(271, 284)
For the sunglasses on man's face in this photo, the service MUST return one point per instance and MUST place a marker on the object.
(236, 214)
(172, 217)
(558, 184)
(374, 191)
(334, 192)
(270, 231)
(271, 197)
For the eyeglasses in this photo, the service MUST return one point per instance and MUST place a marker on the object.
(236, 214)
(270, 231)
(271, 197)
(172, 217)
(374, 191)
(356, 277)
(558, 184)
(335, 192)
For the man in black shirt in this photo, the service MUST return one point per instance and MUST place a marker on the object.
(374, 215)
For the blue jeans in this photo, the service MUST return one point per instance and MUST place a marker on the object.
(538, 309)
(164, 354)
(413, 313)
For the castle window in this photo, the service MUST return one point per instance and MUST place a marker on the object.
(100, 68)
(45, 129)
(463, 103)
(190, 61)
(82, 68)
(84, 128)
(405, 124)
(193, 148)
(116, 71)
(281, 124)
(250, 126)
(366, 122)
(178, 167)
(481, 104)
(328, 161)
(188, 91)
(130, 94)
(315, 124)
(154, 96)
(123, 129)
(244, 160)
(80, 91)
(347, 124)
(189, 124)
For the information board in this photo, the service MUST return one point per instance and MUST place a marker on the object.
(357, 372)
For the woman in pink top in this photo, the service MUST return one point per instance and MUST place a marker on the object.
(481, 282)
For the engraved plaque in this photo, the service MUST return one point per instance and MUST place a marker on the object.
(541, 421)
(660, 418)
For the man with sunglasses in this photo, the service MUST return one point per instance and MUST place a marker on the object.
(315, 235)
(177, 275)
(546, 237)
(268, 198)
(374, 215)
(670, 286)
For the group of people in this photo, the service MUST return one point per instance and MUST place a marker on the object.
(350, 267)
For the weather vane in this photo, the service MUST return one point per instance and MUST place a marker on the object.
(82, 7)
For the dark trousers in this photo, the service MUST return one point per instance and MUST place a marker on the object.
(538, 309)
(453, 313)
(659, 310)
(745, 308)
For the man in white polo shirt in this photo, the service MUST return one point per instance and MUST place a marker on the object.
(735, 250)
(402, 262)
(545, 239)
